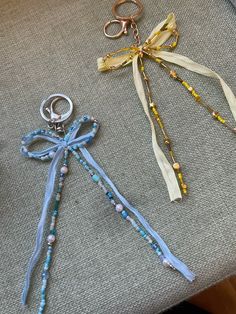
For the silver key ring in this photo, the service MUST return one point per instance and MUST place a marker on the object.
(48, 105)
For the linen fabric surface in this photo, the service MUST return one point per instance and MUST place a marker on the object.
(233, 2)
(100, 264)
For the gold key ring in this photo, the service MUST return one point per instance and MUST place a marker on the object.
(124, 21)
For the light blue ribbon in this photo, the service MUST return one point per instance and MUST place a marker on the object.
(72, 141)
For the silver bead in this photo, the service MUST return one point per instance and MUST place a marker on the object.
(166, 263)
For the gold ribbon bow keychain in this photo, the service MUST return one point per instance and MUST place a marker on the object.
(157, 49)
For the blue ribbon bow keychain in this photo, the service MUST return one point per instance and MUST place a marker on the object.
(72, 143)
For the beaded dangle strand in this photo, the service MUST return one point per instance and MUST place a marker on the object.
(157, 48)
(71, 143)
(52, 233)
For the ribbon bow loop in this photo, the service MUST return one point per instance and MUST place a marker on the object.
(75, 140)
(156, 41)
(71, 139)
(45, 154)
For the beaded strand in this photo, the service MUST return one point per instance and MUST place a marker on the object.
(52, 233)
(215, 114)
(153, 107)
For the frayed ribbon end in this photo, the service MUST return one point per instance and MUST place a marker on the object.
(101, 65)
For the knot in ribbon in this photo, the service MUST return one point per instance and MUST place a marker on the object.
(156, 42)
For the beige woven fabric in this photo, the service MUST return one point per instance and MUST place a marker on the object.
(101, 265)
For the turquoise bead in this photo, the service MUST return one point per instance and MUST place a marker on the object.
(55, 213)
(143, 234)
(109, 195)
(95, 178)
(124, 214)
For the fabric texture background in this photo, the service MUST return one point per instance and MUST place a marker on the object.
(100, 264)
(233, 2)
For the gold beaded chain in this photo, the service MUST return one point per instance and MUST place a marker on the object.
(215, 114)
(158, 119)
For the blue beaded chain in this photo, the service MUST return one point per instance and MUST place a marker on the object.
(70, 143)
(119, 208)
(52, 234)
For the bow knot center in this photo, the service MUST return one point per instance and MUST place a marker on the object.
(64, 144)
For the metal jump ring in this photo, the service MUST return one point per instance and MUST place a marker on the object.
(134, 16)
(49, 104)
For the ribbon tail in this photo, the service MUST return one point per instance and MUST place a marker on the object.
(200, 69)
(38, 244)
(180, 266)
(166, 169)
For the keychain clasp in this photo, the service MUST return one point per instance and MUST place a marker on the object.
(124, 28)
(124, 21)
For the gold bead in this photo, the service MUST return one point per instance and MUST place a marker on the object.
(222, 120)
(180, 176)
(152, 105)
(184, 186)
(176, 166)
(185, 84)
(175, 32)
(195, 95)
(173, 74)
(158, 60)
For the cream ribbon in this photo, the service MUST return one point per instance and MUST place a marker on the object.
(156, 52)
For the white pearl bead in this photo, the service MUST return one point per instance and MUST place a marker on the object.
(165, 263)
(64, 169)
(51, 154)
(119, 208)
(51, 238)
